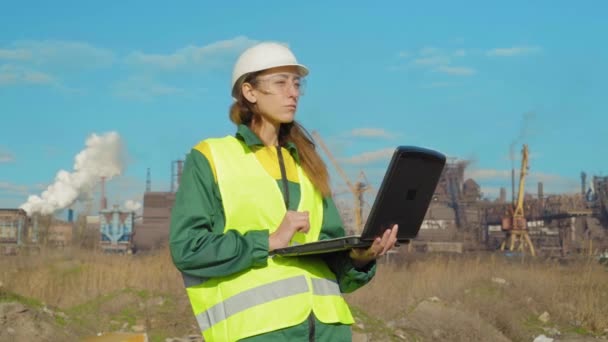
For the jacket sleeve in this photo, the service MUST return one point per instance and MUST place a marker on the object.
(199, 247)
(349, 277)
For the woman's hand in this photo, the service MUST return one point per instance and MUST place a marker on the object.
(293, 222)
(381, 245)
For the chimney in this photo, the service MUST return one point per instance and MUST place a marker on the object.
(583, 183)
(180, 167)
(148, 181)
(503, 195)
(104, 200)
(176, 174)
(541, 194)
(70, 215)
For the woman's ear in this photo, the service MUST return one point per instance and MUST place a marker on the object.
(248, 93)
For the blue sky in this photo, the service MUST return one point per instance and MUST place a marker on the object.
(471, 79)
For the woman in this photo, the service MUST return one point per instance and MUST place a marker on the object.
(242, 196)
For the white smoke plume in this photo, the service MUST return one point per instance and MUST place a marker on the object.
(131, 205)
(102, 157)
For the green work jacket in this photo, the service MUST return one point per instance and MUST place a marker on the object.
(201, 249)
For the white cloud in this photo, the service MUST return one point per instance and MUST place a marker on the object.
(553, 184)
(371, 133)
(16, 54)
(38, 77)
(369, 157)
(456, 71)
(429, 50)
(555, 180)
(39, 62)
(143, 89)
(14, 188)
(438, 60)
(6, 156)
(210, 55)
(404, 54)
(39, 186)
(513, 51)
(460, 53)
(71, 54)
(33, 60)
(172, 61)
(12, 74)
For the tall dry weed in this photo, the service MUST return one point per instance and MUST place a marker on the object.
(72, 276)
(507, 293)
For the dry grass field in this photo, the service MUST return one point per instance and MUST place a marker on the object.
(70, 294)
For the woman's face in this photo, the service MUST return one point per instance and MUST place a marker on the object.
(275, 92)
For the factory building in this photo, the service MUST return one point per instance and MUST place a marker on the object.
(153, 231)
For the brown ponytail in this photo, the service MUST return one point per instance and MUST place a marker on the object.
(242, 112)
(310, 160)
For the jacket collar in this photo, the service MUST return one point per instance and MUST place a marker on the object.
(252, 141)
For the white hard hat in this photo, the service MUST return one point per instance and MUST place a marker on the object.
(261, 57)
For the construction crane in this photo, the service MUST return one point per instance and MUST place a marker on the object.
(357, 188)
(515, 223)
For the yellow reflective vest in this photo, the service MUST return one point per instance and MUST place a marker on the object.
(285, 291)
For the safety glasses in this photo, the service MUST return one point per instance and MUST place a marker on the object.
(283, 83)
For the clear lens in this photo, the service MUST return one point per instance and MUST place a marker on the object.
(281, 84)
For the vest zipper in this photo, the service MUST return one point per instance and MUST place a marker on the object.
(283, 178)
(311, 327)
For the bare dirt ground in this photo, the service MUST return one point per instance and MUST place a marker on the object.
(18, 322)
(431, 320)
(158, 317)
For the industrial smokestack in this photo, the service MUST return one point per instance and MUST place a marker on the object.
(104, 201)
(180, 167)
(70, 215)
(102, 157)
(173, 176)
(541, 194)
(503, 195)
(176, 174)
(148, 181)
(583, 183)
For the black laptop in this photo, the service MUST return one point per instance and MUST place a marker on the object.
(403, 198)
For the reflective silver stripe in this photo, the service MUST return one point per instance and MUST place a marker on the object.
(325, 287)
(250, 298)
(192, 280)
